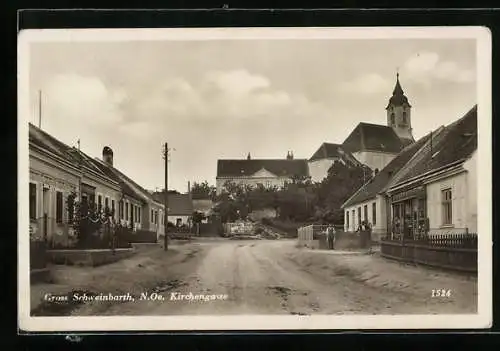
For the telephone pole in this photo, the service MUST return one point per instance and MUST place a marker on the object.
(165, 219)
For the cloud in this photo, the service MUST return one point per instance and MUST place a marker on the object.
(367, 84)
(80, 99)
(138, 129)
(221, 95)
(425, 66)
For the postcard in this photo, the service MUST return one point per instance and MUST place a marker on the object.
(215, 179)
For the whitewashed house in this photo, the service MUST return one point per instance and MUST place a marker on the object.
(369, 203)
(265, 172)
(57, 171)
(438, 189)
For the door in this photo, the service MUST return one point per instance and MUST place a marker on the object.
(45, 212)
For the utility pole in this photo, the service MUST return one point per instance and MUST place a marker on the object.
(165, 221)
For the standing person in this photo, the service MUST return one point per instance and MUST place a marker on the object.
(330, 232)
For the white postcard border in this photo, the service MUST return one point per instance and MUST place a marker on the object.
(482, 319)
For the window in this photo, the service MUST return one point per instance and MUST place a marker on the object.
(120, 209)
(446, 207)
(138, 215)
(113, 207)
(162, 219)
(393, 118)
(126, 211)
(59, 207)
(156, 217)
(99, 203)
(353, 216)
(359, 215)
(365, 210)
(152, 219)
(374, 213)
(404, 117)
(347, 219)
(32, 200)
(106, 203)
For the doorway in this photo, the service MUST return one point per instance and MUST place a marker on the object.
(45, 212)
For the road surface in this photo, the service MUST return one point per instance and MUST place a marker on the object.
(275, 277)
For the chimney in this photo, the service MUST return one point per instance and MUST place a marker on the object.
(289, 155)
(248, 156)
(107, 155)
(189, 187)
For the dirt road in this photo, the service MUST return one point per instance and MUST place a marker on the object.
(274, 277)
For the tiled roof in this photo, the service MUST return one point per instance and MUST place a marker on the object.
(178, 204)
(378, 183)
(455, 142)
(329, 150)
(373, 137)
(129, 187)
(70, 154)
(279, 167)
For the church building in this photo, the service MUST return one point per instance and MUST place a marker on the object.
(374, 145)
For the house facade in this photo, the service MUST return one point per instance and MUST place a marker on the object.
(137, 207)
(436, 192)
(429, 188)
(265, 172)
(180, 207)
(58, 171)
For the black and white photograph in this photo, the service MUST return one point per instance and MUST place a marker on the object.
(255, 178)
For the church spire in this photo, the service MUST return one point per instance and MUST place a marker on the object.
(399, 113)
(398, 97)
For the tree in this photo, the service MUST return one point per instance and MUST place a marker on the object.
(341, 183)
(202, 190)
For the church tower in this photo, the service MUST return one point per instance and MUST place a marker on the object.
(399, 114)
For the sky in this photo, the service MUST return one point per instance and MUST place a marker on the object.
(216, 99)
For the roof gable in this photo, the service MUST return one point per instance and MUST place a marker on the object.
(372, 137)
(263, 173)
(326, 151)
(247, 168)
(380, 181)
(453, 143)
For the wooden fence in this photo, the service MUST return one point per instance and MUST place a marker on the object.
(449, 251)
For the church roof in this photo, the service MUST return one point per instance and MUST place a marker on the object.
(373, 137)
(279, 167)
(398, 97)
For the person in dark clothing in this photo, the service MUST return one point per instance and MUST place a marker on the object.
(330, 235)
